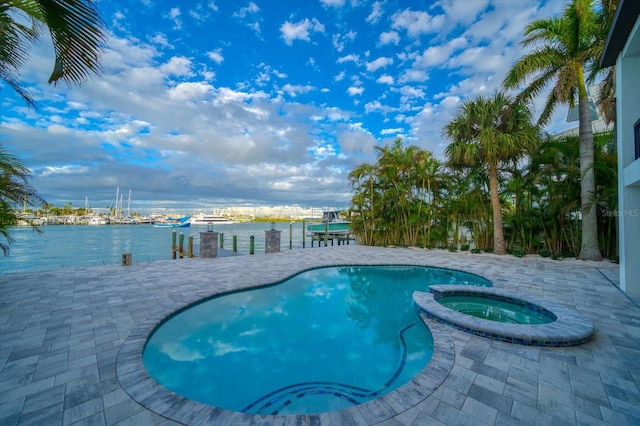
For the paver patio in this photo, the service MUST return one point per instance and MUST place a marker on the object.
(62, 331)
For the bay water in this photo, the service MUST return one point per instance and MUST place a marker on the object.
(64, 246)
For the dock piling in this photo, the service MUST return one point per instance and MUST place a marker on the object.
(173, 244)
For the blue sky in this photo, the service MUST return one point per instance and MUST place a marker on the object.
(247, 103)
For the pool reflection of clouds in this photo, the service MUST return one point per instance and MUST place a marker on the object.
(320, 290)
(221, 348)
(179, 352)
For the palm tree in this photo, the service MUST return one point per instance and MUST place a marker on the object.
(565, 45)
(487, 132)
(76, 30)
(15, 190)
(362, 180)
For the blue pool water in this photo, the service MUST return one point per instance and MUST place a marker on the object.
(322, 340)
(497, 310)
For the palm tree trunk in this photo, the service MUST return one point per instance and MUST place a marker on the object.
(498, 234)
(589, 249)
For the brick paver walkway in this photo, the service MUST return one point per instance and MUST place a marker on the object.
(61, 332)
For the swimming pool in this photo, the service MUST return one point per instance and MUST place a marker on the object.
(322, 340)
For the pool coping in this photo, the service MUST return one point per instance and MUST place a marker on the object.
(569, 329)
(136, 382)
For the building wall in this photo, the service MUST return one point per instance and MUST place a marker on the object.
(628, 112)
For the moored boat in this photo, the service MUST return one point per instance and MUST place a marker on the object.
(209, 219)
(331, 223)
(182, 222)
(172, 225)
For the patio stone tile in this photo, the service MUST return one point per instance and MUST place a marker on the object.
(65, 333)
(492, 399)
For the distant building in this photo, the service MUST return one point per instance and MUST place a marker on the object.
(623, 50)
(598, 124)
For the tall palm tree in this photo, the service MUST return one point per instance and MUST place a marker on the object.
(565, 45)
(487, 132)
(76, 29)
(15, 190)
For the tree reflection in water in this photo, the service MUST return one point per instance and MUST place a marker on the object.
(381, 296)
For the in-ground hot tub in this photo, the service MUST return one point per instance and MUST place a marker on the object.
(506, 316)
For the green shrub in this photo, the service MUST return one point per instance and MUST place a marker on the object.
(476, 250)
(544, 253)
(464, 247)
(518, 253)
(487, 250)
(453, 248)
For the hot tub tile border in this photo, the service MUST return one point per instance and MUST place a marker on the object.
(569, 329)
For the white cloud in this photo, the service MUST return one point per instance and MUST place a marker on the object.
(409, 92)
(465, 12)
(413, 75)
(161, 40)
(379, 63)
(353, 90)
(394, 131)
(190, 91)
(385, 79)
(216, 56)
(439, 55)
(348, 58)
(174, 15)
(177, 66)
(390, 37)
(300, 30)
(416, 22)
(244, 11)
(376, 12)
(340, 39)
(295, 90)
(332, 3)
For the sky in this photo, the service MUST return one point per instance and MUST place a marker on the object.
(220, 103)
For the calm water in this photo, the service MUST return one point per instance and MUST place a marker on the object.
(70, 246)
(496, 310)
(325, 339)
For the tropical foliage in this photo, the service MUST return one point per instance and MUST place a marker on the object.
(76, 30)
(564, 46)
(430, 203)
(77, 33)
(15, 191)
(491, 132)
(499, 189)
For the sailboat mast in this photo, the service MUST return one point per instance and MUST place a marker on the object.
(117, 194)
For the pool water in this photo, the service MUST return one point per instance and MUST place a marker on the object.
(322, 340)
(496, 310)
